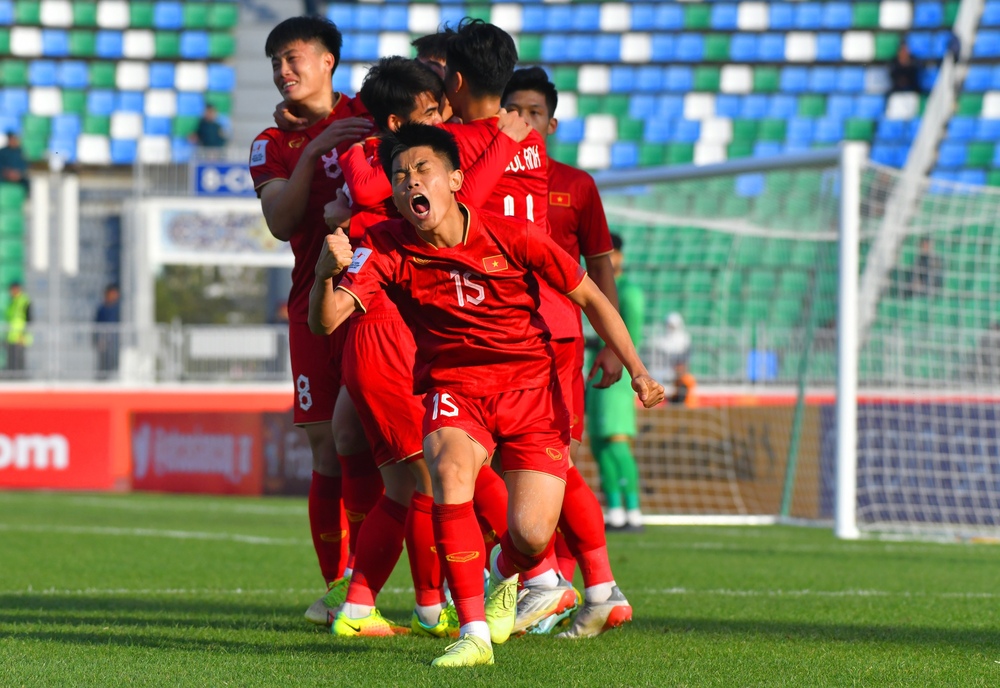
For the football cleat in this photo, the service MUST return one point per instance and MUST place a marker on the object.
(596, 617)
(561, 619)
(372, 626)
(469, 650)
(536, 605)
(501, 603)
(322, 611)
(446, 627)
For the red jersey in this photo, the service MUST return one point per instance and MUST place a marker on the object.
(273, 156)
(472, 308)
(576, 216)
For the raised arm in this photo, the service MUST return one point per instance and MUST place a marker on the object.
(482, 176)
(368, 184)
(329, 307)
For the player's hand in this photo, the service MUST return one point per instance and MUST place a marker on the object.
(515, 126)
(349, 129)
(286, 121)
(335, 255)
(337, 213)
(649, 391)
(609, 366)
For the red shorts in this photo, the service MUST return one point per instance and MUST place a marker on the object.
(569, 367)
(315, 371)
(378, 374)
(530, 427)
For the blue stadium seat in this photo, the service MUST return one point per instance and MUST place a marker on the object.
(991, 14)
(794, 79)
(723, 16)
(664, 48)
(808, 15)
(221, 77)
(156, 126)
(582, 48)
(679, 78)
(669, 106)
(839, 106)
(73, 74)
(624, 154)
(559, 18)
(606, 48)
(6, 12)
(342, 15)
(829, 130)
(64, 146)
(928, 15)
(940, 43)
(987, 44)
(369, 17)
(66, 126)
(394, 17)
(181, 149)
(828, 47)
(782, 106)
(366, 47)
(795, 147)
(727, 105)
(743, 47)
(108, 44)
(168, 15)
(194, 45)
(9, 122)
(101, 102)
(979, 77)
(650, 78)
(961, 129)
(686, 131)
(587, 18)
(190, 104)
(123, 151)
(837, 15)
(750, 185)
(129, 101)
(799, 130)
(55, 43)
(851, 79)
(771, 47)
(640, 106)
(927, 78)
(658, 130)
(533, 17)
(890, 131)
(996, 156)
(754, 106)
(995, 78)
(42, 73)
(644, 17)
(977, 177)
(823, 80)
(870, 106)
(951, 155)
(452, 15)
(623, 79)
(920, 44)
(690, 47)
(14, 101)
(669, 16)
(342, 79)
(988, 130)
(554, 48)
(782, 16)
(570, 131)
(161, 75)
(945, 176)
(894, 156)
(766, 149)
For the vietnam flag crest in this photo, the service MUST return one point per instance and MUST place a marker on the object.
(559, 198)
(494, 263)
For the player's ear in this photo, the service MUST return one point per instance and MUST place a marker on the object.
(553, 125)
(455, 179)
(394, 123)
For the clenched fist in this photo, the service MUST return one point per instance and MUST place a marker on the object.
(649, 391)
(335, 255)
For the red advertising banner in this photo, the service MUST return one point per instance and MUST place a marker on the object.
(215, 453)
(287, 456)
(55, 448)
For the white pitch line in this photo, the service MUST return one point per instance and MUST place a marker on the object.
(191, 507)
(173, 591)
(55, 529)
(723, 592)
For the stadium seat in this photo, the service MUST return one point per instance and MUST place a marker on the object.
(859, 46)
(991, 14)
(624, 154)
(690, 48)
(123, 151)
(55, 43)
(929, 15)
(851, 80)
(641, 106)
(190, 104)
(744, 48)
(781, 106)
(168, 15)
(679, 79)
(42, 73)
(724, 16)
(754, 107)
(988, 130)
(829, 131)
(961, 129)
(157, 126)
(129, 102)
(587, 18)
(951, 155)
(161, 75)
(840, 106)
(771, 47)
(979, 77)
(794, 79)
(808, 15)
(987, 44)
(800, 130)
(650, 78)
(194, 45)
(100, 102)
(828, 47)
(72, 74)
(837, 15)
(670, 106)
(139, 44)
(108, 44)
(823, 80)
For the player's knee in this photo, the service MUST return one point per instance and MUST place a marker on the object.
(324, 453)
(531, 538)
(349, 438)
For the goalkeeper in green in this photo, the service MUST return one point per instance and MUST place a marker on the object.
(611, 420)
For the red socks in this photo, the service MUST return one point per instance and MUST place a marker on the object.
(326, 521)
(425, 566)
(565, 558)
(459, 543)
(582, 525)
(490, 503)
(362, 488)
(381, 543)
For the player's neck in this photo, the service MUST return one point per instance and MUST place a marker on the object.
(318, 107)
(481, 108)
(450, 232)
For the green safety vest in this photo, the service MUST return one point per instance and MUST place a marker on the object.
(17, 320)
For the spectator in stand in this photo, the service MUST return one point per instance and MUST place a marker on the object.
(671, 353)
(209, 133)
(18, 339)
(13, 167)
(904, 73)
(925, 279)
(106, 334)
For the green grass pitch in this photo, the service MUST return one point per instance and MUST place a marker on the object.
(151, 590)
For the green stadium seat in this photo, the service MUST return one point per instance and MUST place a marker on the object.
(35, 147)
(565, 79)
(793, 282)
(11, 273)
(749, 250)
(804, 254)
(11, 198)
(168, 44)
(13, 72)
(865, 15)
(93, 124)
(220, 45)
(529, 48)
(756, 310)
(35, 126)
(886, 46)
(812, 106)
(697, 16)
(744, 130)
(859, 129)
(735, 206)
(707, 79)
(656, 154)
(950, 12)
(82, 43)
(222, 101)
(771, 130)
(969, 104)
(84, 13)
(27, 13)
(102, 75)
(716, 48)
(185, 126)
(979, 155)
(12, 224)
(12, 251)
(777, 252)
(588, 105)
(141, 15)
(761, 283)
(74, 101)
(195, 15)
(697, 281)
(564, 152)
(787, 311)
(680, 153)
(739, 149)
(766, 79)
(630, 129)
(223, 15)
(616, 104)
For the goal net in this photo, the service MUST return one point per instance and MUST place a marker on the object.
(748, 253)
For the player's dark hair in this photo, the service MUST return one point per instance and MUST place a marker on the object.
(392, 85)
(433, 46)
(413, 135)
(305, 29)
(533, 79)
(484, 54)
(616, 242)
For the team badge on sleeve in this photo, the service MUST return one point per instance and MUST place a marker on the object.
(257, 155)
(360, 256)
(495, 263)
(559, 198)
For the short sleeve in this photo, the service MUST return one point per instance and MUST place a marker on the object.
(266, 163)
(550, 262)
(593, 233)
(371, 268)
